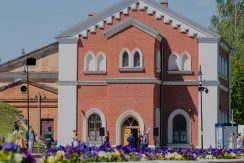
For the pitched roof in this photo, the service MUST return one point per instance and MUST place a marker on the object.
(38, 53)
(39, 85)
(125, 4)
(132, 22)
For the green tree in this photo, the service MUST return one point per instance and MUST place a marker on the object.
(229, 23)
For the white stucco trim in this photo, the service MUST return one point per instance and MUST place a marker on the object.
(121, 119)
(141, 56)
(170, 125)
(85, 122)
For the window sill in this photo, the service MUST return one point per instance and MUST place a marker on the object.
(131, 69)
(95, 72)
(180, 72)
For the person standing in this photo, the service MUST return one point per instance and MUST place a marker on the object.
(145, 139)
(239, 141)
(106, 139)
(15, 128)
(75, 141)
(49, 138)
(232, 141)
(31, 140)
(20, 140)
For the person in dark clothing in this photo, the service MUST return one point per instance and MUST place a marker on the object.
(49, 138)
(106, 139)
(131, 140)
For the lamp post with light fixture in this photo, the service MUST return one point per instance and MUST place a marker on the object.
(29, 62)
(39, 97)
(201, 88)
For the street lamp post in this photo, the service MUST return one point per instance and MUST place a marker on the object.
(201, 89)
(39, 98)
(29, 62)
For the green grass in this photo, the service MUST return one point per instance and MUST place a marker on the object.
(8, 115)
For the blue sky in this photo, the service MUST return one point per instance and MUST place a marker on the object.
(31, 24)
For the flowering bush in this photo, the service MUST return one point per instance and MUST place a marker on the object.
(9, 152)
(85, 153)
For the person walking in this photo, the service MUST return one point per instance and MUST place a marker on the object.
(131, 140)
(239, 141)
(49, 138)
(31, 140)
(140, 141)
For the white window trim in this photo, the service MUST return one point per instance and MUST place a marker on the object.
(85, 60)
(121, 58)
(133, 52)
(131, 67)
(85, 122)
(177, 61)
(104, 57)
(121, 119)
(181, 61)
(170, 125)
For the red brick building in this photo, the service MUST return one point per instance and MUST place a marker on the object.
(134, 67)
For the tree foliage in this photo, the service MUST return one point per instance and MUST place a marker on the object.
(229, 23)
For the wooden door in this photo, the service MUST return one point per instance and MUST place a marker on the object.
(125, 134)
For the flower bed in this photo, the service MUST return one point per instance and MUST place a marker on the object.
(85, 153)
(9, 152)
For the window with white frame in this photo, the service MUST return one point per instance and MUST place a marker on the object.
(173, 63)
(125, 59)
(90, 61)
(94, 64)
(186, 62)
(131, 60)
(101, 62)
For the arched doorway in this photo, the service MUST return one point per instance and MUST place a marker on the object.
(130, 125)
(94, 125)
(179, 129)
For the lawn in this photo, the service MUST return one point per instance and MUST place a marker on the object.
(8, 115)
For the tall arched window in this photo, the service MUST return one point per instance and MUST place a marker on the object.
(94, 124)
(173, 63)
(186, 62)
(137, 60)
(125, 60)
(179, 129)
(101, 62)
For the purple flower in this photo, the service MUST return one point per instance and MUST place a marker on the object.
(9, 146)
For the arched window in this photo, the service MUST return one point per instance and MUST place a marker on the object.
(130, 122)
(94, 124)
(89, 64)
(186, 62)
(101, 62)
(173, 63)
(125, 60)
(179, 129)
(137, 60)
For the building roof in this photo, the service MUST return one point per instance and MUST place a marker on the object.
(38, 53)
(39, 85)
(132, 22)
(125, 4)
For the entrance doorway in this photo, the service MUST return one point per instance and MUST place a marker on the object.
(130, 125)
